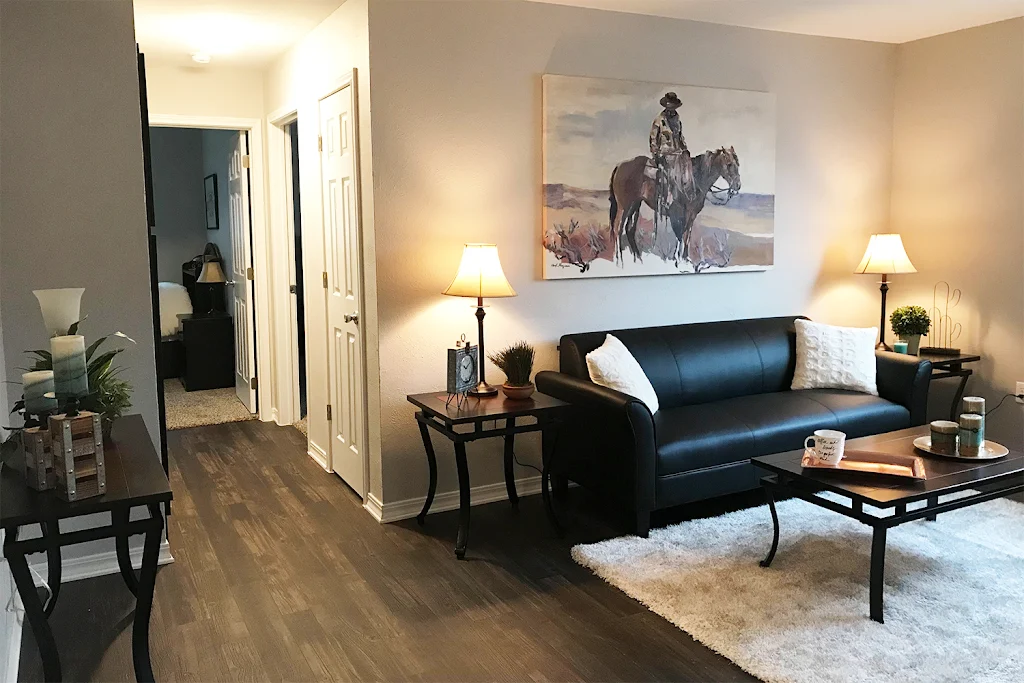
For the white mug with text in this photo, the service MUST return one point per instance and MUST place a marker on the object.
(828, 445)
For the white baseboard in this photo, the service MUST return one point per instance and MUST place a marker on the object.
(448, 500)
(97, 564)
(318, 454)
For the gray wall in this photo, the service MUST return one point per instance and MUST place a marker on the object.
(177, 155)
(217, 146)
(456, 87)
(958, 167)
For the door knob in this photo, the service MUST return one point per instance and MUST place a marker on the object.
(354, 318)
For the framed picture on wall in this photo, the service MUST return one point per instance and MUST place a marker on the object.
(212, 214)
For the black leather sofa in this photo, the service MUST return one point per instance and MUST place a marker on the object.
(724, 394)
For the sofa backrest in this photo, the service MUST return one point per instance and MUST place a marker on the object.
(700, 362)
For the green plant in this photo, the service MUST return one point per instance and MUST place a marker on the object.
(908, 321)
(109, 394)
(516, 362)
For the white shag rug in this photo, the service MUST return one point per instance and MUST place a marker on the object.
(954, 593)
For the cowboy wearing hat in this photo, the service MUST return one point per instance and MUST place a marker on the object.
(669, 155)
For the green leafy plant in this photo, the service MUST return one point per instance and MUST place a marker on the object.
(908, 321)
(516, 362)
(109, 394)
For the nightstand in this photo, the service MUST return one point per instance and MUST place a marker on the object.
(209, 343)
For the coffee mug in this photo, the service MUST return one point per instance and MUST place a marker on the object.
(828, 445)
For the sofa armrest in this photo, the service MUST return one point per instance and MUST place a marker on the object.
(904, 379)
(608, 434)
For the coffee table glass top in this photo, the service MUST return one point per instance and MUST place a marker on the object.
(942, 475)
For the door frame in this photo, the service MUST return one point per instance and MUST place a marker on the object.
(281, 201)
(260, 241)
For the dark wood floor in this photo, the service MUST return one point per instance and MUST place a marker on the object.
(280, 575)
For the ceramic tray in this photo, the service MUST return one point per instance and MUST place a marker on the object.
(990, 450)
(871, 462)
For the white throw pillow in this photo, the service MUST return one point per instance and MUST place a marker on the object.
(612, 365)
(830, 357)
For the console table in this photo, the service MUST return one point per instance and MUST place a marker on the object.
(135, 479)
(945, 367)
(446, 418)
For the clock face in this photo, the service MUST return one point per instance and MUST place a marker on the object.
(467, 370)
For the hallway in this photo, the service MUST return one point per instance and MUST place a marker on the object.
(280, 574)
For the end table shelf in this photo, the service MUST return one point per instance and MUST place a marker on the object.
(447, 419)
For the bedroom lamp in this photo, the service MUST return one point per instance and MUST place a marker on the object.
(885, 256)
(480, 275)
(211, 274)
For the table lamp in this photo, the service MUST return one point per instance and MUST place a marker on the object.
(885, 256)
(480, 275)
(211, 274)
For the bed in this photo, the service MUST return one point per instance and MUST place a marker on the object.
(184, 299)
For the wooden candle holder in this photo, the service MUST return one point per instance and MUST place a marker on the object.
(38, 459)
(77, 444)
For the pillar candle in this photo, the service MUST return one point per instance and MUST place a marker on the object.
(71, 379)
(970, 434)
(35, 385)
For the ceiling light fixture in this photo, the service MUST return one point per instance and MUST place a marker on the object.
(201, 57)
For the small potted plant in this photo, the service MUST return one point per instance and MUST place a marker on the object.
(516, 362)
(909, 323)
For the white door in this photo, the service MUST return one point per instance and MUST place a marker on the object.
(241, 273)
(343, 280)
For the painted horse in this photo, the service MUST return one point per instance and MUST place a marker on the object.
(630, 188)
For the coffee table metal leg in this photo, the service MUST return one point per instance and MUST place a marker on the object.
(428, 446)
(767, 561)
(463, 466)
(877, 573)
(932, 502)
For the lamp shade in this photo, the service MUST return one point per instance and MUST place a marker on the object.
(480, 274)
(61, 308)
(885, 255)
(211, 273)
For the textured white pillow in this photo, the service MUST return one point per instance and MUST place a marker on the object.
(612, 365)
(830, 357)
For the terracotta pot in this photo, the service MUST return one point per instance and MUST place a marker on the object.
(518, 393)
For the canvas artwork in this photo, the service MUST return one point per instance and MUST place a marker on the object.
(656, 179)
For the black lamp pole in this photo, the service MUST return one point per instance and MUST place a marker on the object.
(882, 346)
(483, 388)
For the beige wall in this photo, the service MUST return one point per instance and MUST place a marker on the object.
(310, 71)
(73, 211)
(958, 169)
(456, 89)
(208, 90)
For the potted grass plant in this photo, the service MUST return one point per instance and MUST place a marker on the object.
(516, 362)
(910, 323)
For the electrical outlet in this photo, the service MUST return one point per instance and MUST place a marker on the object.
(1020, 390)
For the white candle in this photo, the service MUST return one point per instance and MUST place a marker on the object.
(71, 379)
(35, 385)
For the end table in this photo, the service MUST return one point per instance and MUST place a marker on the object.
(448, 419)
(946, 367)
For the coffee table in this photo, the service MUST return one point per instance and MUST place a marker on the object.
(990, 479)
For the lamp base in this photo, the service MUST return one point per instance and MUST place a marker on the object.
(882, 346)
(483, 390)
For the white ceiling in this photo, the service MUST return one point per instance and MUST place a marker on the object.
(889, 21)
(236, 32)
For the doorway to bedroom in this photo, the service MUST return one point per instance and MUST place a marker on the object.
(201, 195)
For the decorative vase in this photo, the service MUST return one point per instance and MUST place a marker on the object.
(520, 393)
(61, 308)
(913, 343)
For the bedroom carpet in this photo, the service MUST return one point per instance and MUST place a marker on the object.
(954, 593)
(198, 408)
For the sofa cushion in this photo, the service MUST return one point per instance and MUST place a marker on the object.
(731, 430)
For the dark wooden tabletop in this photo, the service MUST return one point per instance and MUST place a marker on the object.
(945, 362)
(134, 477)
(479, 409)
(942, 475)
